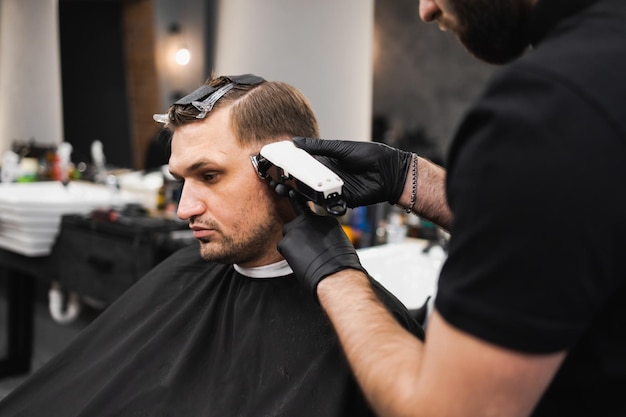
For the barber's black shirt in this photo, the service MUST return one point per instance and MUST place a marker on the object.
(537, 185)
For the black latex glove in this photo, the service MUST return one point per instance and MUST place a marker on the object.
(316, 246)
(372, 172)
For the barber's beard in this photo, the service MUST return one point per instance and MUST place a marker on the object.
(492, 30)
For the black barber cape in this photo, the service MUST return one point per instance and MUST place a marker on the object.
(194, 338)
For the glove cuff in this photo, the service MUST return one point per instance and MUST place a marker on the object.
(329, 263)
(403, 165)
(413, 169)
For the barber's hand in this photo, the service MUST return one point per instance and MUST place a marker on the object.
(315, 247)
(372, 172)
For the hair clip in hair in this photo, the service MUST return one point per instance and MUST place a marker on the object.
(207, 104)
(205, 97)
(161, 118)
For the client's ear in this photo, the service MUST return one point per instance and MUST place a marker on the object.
(284, 209)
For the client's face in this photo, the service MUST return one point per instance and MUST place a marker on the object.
(227, 205)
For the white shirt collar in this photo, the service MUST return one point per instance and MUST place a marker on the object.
(278, 269)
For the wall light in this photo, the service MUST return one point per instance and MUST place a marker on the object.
(182, 55)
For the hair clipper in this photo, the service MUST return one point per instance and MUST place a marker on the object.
(284, 163)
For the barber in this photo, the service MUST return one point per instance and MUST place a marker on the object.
(530, 309)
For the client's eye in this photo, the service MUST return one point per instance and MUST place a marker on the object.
(209, 176)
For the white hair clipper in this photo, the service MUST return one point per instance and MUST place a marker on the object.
(288, 167)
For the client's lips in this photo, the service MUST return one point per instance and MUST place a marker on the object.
(201, 232)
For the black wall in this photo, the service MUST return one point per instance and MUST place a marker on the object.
(95, 99)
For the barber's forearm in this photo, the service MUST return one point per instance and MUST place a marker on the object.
(431, 202)
(384, 357)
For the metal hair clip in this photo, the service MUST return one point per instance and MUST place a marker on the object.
(207, 104)
(161, 118)
(205, 97)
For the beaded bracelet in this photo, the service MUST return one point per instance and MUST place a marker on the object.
(409, 209)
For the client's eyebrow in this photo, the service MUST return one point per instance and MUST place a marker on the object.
(195, 167)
